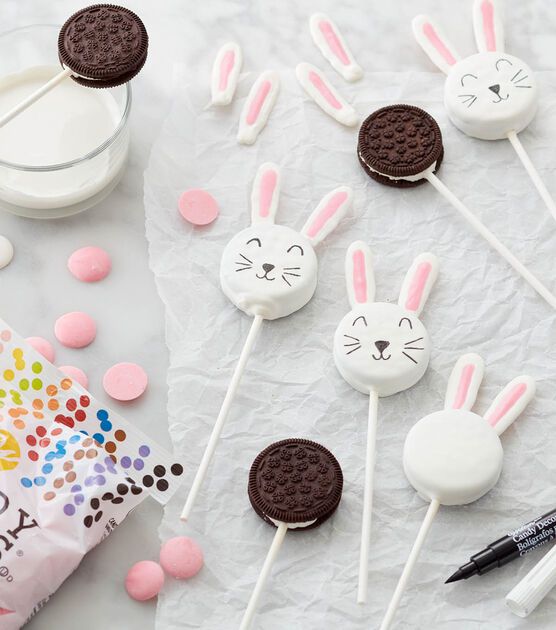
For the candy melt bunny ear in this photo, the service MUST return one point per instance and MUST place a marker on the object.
(359, 274)
(464, 382)
(510, 403)
(433, 41)
(266, 191)
(327, 215)
(225, 73)
(488, 27)
(418, 283)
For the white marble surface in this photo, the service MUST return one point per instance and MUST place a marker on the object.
(36, 288)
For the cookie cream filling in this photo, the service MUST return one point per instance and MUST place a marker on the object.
(409, 178)
(293, 525)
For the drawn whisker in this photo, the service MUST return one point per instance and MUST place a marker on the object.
(286, 280)
(412, 348)
(466, 96)
(355, 343)
(240, 262)
(244, 268)
(524, 86)
(354, 338)
(413, 341)
(291, 268)
(358, 348)
(522, 79)
(410, 358)
(471, 102)
(517, 74)
(247, 259)
(289, 273)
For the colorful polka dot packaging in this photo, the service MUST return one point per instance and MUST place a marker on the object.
(70, 471)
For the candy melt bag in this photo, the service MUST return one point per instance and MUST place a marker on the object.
(70, 471)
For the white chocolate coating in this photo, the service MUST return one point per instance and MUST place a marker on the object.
(269, 270)
(357, 348)
(454, 456)
(6, 252)
(490, 94)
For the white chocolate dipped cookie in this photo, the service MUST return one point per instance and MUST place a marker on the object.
(455, 456)
(271, 270)
(489, 94)
(382, 346)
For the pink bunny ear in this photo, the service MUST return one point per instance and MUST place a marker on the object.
(418, 283)
(488, 27)
(510, 403)
(464, 382)
(266, 191)
(359, 274)
(433, 41)
(225, 73)
(327, 215)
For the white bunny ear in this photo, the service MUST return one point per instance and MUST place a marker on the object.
(510, 403)
(464, 383)
(359, 274)
(327, 214)
(266, 191)
(487, 23)
(433, 41)
(418, 283)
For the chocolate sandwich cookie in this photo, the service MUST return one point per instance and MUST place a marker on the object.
(295, 481)
(104, 45)
(399, 142)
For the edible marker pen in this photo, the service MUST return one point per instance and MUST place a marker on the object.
(514, 545)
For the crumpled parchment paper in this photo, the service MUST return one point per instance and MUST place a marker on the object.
(291, 386)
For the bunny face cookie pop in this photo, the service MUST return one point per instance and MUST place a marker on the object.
(271, 270)
(488, 94)
(378, 345)
(454, 456)
(381, 349)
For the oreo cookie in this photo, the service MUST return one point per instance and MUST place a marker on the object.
(295, 481)
(104, 45)
(398, 143)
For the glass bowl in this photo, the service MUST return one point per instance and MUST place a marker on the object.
(68, 150)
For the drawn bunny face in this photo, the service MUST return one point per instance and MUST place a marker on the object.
(455, 456)
(382, 346)
(489, 94)
(271, 270)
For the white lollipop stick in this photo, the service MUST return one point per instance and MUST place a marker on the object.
(367, 499)
(35, 96)
(224, 410)
(533, 174)
(492, 240)
(265, 571)
(412, 559)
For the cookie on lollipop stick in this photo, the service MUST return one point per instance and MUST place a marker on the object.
(454, 456)
(381, 349)
(295, 485)
(269, 271)
(401, 146)
(490, 95)
(100, 46)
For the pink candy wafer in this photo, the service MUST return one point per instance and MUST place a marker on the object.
(75, 330)
(75, 374)
(181, 557)
(144, 580)
(90, 264)
(198, 206)
(125, 381)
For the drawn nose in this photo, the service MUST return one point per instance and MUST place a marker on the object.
(495, 88)
(381, 345)
(268, 267)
